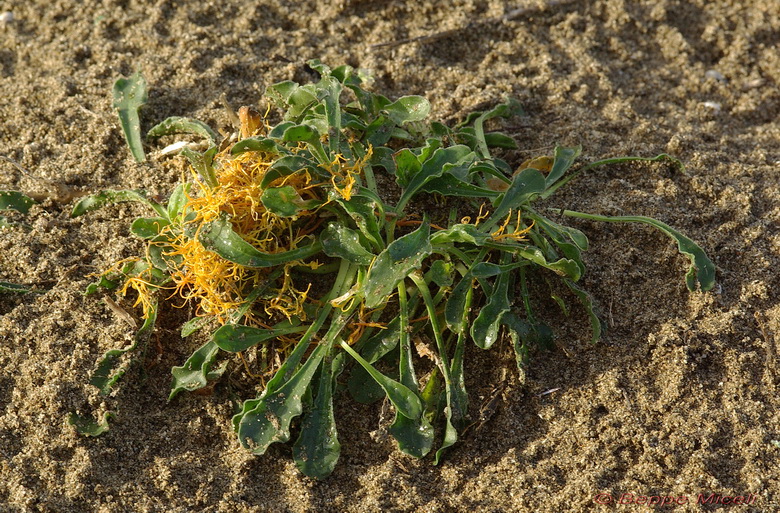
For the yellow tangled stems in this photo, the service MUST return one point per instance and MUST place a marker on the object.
(214, 283)
(518, 233)
(217, 285)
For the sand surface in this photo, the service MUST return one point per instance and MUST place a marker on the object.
(679, 398)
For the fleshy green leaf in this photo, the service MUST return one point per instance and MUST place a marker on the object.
(525, 186)
(485, 329)
(449, 185)
(12, 200)
(394, 263)
(408, 108)
(285, 201)
(702, 270)
(565, 267)
(88, 426)
(440, 273)
(407, 165)
(218, 236)
(460, 233)
(507, 109)
(456, 303)
(443, 160)
(196, 371)
(258, 143)
(339, 241)
(203, 164)
(317, 449)
(382, 342)
(499, 140)
(269, 419)
(110, 197)
(564, 158)
(297, 133)
(193, 325)
(405, 401)
(239, 338)
(181, 125)
(414, 436)
(367, 212)
(177, 201)
(148, 227)
(7, 287)
(129, 96)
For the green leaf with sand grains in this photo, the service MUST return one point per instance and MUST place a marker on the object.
(129, 96)
(219, 236)
(317, 449)
(394, 263)
(109, 197)
(342, 242)
(197, 370)
(182, 125)
(702, 270)
(12, 200)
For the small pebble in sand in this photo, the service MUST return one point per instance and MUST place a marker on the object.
(717, 75)
(6, 17)
(753, 84)
(715, 106)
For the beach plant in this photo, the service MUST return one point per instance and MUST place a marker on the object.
(13, 201)
(312, 245)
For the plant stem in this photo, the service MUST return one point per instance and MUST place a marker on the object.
(436, 327)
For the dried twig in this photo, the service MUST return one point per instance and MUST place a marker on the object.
(58, 192)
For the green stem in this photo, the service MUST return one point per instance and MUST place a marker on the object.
(358, 153)
(618, 160)
(436, 326)
(343, 283)
(405, 367)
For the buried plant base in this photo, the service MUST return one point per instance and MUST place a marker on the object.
(274, 212)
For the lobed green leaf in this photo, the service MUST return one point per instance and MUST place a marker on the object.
(702, 270)
(12, 200)
(393, 264)
(341, 242)
(218, 236)
(197, 370)
(129, 96)
(181, 125)
(109, 197)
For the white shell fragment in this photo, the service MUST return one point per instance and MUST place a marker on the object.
(717, 75)
(715, 106)
(6, 17)
(173, 148)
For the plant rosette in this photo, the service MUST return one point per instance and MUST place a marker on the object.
(283, 235)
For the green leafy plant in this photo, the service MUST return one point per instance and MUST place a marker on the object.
(285, 237)
(129, 96)
(11, 201)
